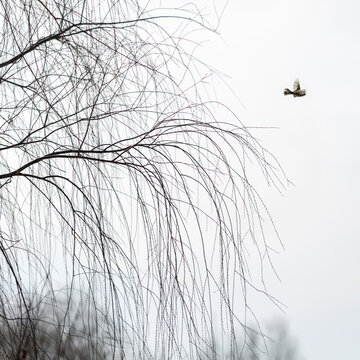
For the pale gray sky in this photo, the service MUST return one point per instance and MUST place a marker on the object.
(266, 45)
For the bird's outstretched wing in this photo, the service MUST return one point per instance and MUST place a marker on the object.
(296, 86)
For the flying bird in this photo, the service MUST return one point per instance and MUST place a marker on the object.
(297, 92)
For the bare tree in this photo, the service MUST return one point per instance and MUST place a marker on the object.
(122, 185)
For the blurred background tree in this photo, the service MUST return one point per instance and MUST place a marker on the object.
(274, 343)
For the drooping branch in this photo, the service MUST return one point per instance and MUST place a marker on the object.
(122, 185)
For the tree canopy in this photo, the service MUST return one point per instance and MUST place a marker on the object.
(124, 186)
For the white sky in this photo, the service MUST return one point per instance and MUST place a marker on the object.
(265, 45)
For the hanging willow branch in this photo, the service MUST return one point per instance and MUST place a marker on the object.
(123, 188)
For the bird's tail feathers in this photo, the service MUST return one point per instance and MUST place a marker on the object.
(287, 92)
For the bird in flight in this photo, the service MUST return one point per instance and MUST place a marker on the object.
(297, 91)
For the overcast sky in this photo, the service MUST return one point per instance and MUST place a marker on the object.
(265, 45)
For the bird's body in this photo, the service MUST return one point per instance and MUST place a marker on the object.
(297, 92)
